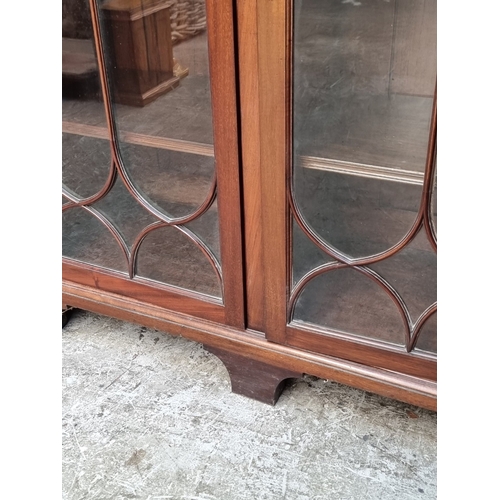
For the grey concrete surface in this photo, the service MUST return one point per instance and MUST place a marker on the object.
(150, 416)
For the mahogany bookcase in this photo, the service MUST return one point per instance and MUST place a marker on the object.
(269, 191)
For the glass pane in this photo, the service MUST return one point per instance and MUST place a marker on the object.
(85, 164)
(173, 182)
(156, 55)
(347, 301)
(85, 145)
(358, 217)
(306, 255)
(413, 273)
(427, 340)
(124, 212)
(87, 239)
(169, 256)
(363, 92)
(364, 78)
(206, 227)
(160, 91)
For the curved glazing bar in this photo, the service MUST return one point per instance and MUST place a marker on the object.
(412, 271)
(426, 340)
(160, 96)
(424, 321)
(87, 165)
(364, 125)
(432, 211)
(155, 112)
(362, 110)
(354, 301)
(89, 237)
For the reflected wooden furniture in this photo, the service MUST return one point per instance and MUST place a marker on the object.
(142, 56)
(250, 327)
(80, 75)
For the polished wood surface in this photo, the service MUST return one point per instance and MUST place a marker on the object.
(254, 379)
(84, 118)
(275, 53)
(251, 345)
(150, 292)
(252, 327)
(315, 339)
(226, 129)
(251, 177)
(274, 25)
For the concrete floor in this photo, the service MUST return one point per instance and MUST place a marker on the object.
(150, 416)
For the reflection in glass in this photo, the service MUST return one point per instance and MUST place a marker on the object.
(364, 76)
(169, 256)
(86, 154)
(86, 239)
(160, 91)
(156, 55)
(81, 88)
(347, 301)
(427, 340)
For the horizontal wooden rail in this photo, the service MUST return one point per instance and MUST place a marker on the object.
(197, 148)
(362, 170)
(253, 345)
(151, 141)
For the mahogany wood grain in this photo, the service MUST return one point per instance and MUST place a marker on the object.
(250, 136)
(254, 379)
(363, 351)
(274, 25)
(252, 346)
(222, 62)
(223, 79)
(275, 80)
(172, 298)
(263, 271)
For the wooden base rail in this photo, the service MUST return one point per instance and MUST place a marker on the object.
(253, 346)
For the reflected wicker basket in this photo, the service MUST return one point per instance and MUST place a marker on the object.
(187, 18)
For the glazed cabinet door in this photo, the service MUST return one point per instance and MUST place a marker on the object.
(348, 179)
(151, 196)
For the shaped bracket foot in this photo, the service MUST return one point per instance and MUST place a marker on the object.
(254, 379)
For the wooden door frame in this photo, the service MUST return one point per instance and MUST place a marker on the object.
(266, 220)
(274, 45)
(229, 309)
